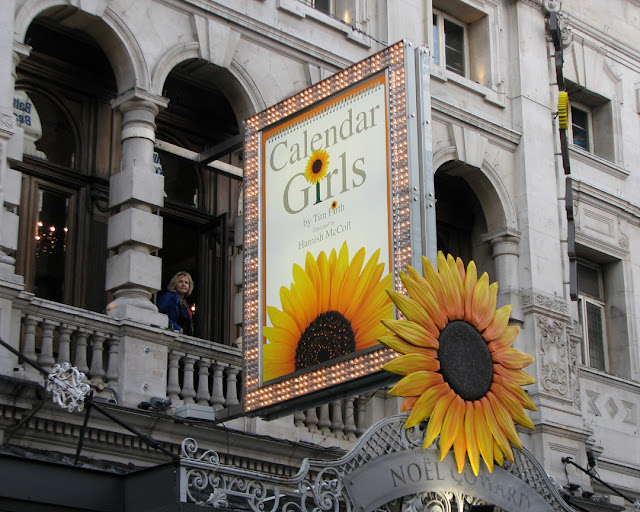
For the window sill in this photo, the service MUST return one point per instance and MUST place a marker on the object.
(608, 378)
(489, 95)
(582, 155)
(303, 10)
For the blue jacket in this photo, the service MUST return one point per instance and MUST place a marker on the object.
(169, 304)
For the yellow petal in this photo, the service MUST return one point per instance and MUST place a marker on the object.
(437, 417)
(279, 336)
(457, 287)
(412, 332)
(470, 281)
(414, 312)
(494, 427)
(351, 280)
(416, 383)
(410, 363)
(472, 440)
(408, 403)
(515, 390)
(425, 404)
(497, 453)
(420, 290)
(512, 404)
(506, 339)
(461, 271)
(284, 321)
(460, 450)
(483, 434)
(498, 325)
(512, 358)
(504, 419)
(480, 300)
(433, 278)
(519, 377)
(396, 343)
(490, 308)
(452, 425)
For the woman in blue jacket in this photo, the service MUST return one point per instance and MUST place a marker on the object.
(173, 304)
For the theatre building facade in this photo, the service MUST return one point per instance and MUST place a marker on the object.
(123, 160)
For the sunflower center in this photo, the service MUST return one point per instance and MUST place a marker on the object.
(316, 167)
(465, 360)
(330, 335)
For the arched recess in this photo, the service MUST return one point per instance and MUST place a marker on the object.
(206, 110)
(472, 205)
(234, 83)
(104, 26)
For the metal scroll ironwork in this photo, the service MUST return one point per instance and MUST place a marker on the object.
(322, 485)
(67, 387)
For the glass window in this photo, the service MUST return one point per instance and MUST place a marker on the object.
(580, 132)
(51, 231)
(449, 44)
(591, 310)
(454, 46)
(323, 5)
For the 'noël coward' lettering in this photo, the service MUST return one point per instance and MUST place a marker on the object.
(415, 472)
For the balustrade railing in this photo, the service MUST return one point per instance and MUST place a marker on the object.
(198, 372)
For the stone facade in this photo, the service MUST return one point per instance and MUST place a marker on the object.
(131, 95)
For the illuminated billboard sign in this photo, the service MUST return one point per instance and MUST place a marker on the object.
(327, 227)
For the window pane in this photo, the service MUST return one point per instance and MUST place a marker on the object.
(580, 127)
(48, 134)
(51, 245)
(454, 47)
(596, 336)
(589, 281)
(436, 41)
(180, 180)
(323, 5)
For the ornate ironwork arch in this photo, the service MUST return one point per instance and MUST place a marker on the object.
(388, 463)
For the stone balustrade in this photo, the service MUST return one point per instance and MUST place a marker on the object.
(197, 372)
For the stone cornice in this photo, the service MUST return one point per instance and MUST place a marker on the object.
(498, 134)
(269, 36)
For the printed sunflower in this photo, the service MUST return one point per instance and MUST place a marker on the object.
(317, 165)
(461, 372)
(333, 308)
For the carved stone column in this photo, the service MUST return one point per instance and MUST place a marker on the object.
(505, 245)
(135, 231)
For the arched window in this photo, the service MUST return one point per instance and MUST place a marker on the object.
(62, 102)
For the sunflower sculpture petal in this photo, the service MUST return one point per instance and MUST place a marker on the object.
(461, 372)
(333, 307)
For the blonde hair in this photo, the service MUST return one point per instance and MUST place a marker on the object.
(172, 284)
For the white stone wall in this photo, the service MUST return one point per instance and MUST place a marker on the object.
(503, 129)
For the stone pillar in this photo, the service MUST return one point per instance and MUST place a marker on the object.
(135, 231)
(11, 284)
(505, 245)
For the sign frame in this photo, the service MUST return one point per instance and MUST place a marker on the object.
(346, 376)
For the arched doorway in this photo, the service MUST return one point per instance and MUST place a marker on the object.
(200, 203)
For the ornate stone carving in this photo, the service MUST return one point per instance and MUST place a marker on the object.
(550, 303)
(575, 356)
(554, 356)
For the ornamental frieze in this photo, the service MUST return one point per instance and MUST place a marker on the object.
(546, 302)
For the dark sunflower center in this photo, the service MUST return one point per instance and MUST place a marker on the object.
(465, 360)
(316, 167)
(329, 335)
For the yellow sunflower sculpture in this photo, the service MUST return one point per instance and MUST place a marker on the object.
(316, 168)
(461, 372)
(333, 308)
